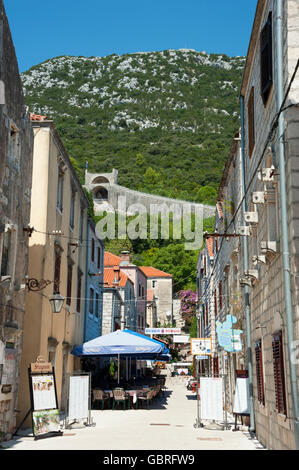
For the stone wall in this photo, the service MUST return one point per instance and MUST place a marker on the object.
(16, 149)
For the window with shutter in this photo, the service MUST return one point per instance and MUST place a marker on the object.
(79, 287)
(250, 109)
(69, 283)
(57, 271)
(215, 367)
(278, 369)
(266, 59)
(259, 372)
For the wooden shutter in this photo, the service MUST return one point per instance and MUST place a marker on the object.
(266, 58)
(57, 272)
(220, 295)
(250, 109)
(79, 286)
(278, 369)
(69, 283)
(215, 367)
(259, 372)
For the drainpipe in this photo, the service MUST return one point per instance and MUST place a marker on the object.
(245, 267)
(284, 221)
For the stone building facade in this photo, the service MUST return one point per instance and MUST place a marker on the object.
(16, 148)
(94, 284)
(273, 332)
(161, 284)
(57, 253)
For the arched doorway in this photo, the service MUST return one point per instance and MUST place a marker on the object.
(101, 193)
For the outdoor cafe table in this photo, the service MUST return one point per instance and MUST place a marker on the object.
(132, 393)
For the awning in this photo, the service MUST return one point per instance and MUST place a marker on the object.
(122, 342)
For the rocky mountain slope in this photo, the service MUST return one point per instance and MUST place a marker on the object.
(164, 119)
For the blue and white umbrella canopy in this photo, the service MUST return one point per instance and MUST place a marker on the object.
(122, 342)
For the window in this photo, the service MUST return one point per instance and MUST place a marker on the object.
(92, 249)
(215, 303)
(69, 283)
(220, 295)
(97, 306)
(91, 296)
(278, 369)
(60, 189)
(5, 253)
(57, 270)
(72, 210)
(79, 288)
(99, 258)
(250, 109)
(259, 372)
(154, 283)
(81, 224)
(266, 59)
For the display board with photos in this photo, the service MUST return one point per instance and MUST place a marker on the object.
(43, 396)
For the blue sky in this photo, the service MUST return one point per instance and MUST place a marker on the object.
(42, 30)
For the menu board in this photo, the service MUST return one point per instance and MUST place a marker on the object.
(43, 388)
(78, 397)
(211, 398)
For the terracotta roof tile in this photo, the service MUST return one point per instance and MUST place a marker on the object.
(149, 271)
(111, 260)
(37, 117)
(111, 273)
(209, 245)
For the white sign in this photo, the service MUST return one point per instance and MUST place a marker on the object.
(241, 403)
(211, 398)
(201, 346)
(163, 331)
(181, 339)
(78, 397)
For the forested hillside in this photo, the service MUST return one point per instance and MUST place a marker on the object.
(164, 119)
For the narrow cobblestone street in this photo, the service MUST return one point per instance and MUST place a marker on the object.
(167, 425)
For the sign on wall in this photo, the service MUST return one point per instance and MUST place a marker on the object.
(163, 331)
(201, 346)
(181, 339)
(229, 338)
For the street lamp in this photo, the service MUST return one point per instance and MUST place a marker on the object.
(56, 302)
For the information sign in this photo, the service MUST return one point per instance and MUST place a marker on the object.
(201, 346)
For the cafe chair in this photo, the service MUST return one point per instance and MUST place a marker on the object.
(147, 396)
(120, 396)
(99, 396)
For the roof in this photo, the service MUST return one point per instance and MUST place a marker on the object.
(149, 271)
(111, 260)
(37, 117)
(209, 245)
(109, 277)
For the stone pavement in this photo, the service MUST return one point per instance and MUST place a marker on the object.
(167, 425)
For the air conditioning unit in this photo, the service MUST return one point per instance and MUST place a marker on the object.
(258, 197)
(252, 274)
(244, 230)
(269, 246)
(251, 217)
(259, 259)
(244, 281)
(266, 174)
